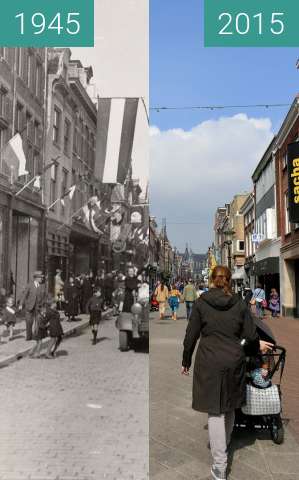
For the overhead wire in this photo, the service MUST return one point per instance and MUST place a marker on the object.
(219, 107)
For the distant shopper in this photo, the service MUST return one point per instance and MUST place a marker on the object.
(258, 301)
(95, 307)
(54, 327)
(161, 294)
(72, 299)
(190, 295)
(174, 301)
(248, 294)
(274, 303)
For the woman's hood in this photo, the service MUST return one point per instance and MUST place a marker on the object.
(217, 299)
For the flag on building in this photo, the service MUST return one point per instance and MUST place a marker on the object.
(115, 138)
(68, 194)
(14, 158)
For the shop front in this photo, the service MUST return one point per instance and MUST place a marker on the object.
(290, 280)
(5, 281)
(57, 252)
(83, 250)
(26, 245)
(267, 273)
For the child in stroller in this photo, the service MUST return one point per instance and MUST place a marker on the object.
(263, 396)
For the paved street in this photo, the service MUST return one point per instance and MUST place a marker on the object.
(178, 435)
(81, 416)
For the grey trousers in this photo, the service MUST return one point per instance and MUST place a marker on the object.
(220, 430)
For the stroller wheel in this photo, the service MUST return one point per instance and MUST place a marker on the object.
(277, 431)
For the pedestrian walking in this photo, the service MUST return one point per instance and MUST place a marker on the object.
(58, 289)
(248, 294)
(189, 296)
(72, 298)
(87, 292)
(94, 307)
(221, 320)
(174, 301)
(131, 288)
(258, 301)
(54, 327)
(274, 303)
(8, 317)
(33, 300)
(39, 331)
(161, 294)
(3, 300)
(108, 289)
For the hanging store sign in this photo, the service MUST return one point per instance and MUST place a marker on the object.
(293, 181)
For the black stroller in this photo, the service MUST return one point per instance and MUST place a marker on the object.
(263, 405)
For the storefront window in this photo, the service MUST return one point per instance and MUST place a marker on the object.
(1, 248)
(24, 260)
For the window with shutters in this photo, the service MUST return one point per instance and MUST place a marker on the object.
(53, 183)
(287, 214)
(67, 137)
(56, 125)
(38, 81)
(19, 119)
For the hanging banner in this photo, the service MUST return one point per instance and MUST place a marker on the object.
(293, 181)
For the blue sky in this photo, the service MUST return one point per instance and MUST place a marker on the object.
(183, 72)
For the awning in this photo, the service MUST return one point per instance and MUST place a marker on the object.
(239, 274)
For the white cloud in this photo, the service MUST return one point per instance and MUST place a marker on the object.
(193, 172)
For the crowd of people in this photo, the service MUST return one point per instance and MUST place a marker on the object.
(178, 292)
(79, 294)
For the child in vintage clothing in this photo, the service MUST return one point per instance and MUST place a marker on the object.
(55, 329)
(9, 317)
(39, 332)
(95, 307)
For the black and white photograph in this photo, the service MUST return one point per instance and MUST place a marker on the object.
(74, 267)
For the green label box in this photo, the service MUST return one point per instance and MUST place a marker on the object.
(47, 23)
(251, 23)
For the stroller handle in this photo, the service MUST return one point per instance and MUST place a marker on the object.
(278, 347)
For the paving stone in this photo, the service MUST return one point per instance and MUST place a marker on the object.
(179, 435)
(81, 416)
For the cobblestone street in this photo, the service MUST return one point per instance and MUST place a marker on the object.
(178, 435)
(81, 416)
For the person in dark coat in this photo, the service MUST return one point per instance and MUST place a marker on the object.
(39, 332)
(108, 289)
(222, 321)
(33, 300)
(72, 298)
(131, 289)
(94, 307)
(55, 329)
(86, 291)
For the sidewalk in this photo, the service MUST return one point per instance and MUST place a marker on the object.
(179, 436)
(19, 347)
(286, 331)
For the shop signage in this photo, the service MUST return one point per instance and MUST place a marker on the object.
(293, 181)
(257, 237)
(119, 246)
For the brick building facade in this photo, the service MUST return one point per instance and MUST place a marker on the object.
(22, 217)
(289, 232)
